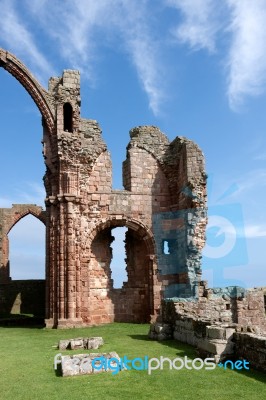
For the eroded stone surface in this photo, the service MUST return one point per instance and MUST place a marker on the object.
(223, 323)
(92, 363)
(81, 343)
(163, 204)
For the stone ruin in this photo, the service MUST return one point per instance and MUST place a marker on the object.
(223, 323)
(163, 205)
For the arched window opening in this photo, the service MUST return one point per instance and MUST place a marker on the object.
(68, 117)
(166, 247)
(27, 249)
(118, 263)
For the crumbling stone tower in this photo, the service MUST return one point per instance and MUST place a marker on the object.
(163, 206)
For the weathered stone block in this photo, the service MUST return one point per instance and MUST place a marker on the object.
(215, 332)
(86, 364)
(63, 344)
(76, 344)
(93, 343)
(212, 346)
(81, 343)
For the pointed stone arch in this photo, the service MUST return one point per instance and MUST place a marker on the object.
(39, 95)
(19, 211)
(9, 217)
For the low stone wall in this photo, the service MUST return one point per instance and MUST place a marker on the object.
(229, 305)
(251, 347)
(226, 323)
(23, 297)
(211, 340)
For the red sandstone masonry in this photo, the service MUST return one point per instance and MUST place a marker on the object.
(82, 209)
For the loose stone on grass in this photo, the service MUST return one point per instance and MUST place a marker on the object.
(81, 343)
(84, 364)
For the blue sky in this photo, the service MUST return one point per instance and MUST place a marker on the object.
(194, 68)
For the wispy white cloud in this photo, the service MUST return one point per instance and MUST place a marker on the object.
(248, 196)
(79, 30)
(242, 22)
(24, 193)
(143, 49)
(254, 231)
(72, 28)
(251, 182)
(18, 39)
(200, 25)
(248, 231)
(247, 56)
(82, 27)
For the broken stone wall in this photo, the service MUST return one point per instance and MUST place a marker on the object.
(161, 180)
(222, 305)
(251, 347)
(251, 309)
(222, 323)
(86, 209)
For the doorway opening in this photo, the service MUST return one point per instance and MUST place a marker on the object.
(118, 263)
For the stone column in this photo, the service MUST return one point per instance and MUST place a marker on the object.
(52, 275)
(68, 278)
(4, 259)
(61, 260)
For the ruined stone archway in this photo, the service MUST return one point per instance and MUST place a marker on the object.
(27, 249)
(35, 211)
(134, 302)
(39, 95)
(19, 296)
(8, 218)
(144, 232)
(81, 205)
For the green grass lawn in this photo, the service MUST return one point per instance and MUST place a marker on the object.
(26, 369)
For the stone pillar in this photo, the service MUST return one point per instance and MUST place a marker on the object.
(62, 277)
(4, 254)
(52, 276)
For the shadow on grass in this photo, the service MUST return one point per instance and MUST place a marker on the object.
(191, 352)
(21, 321)
(252, 374)
(183, 349)
(58, 372)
